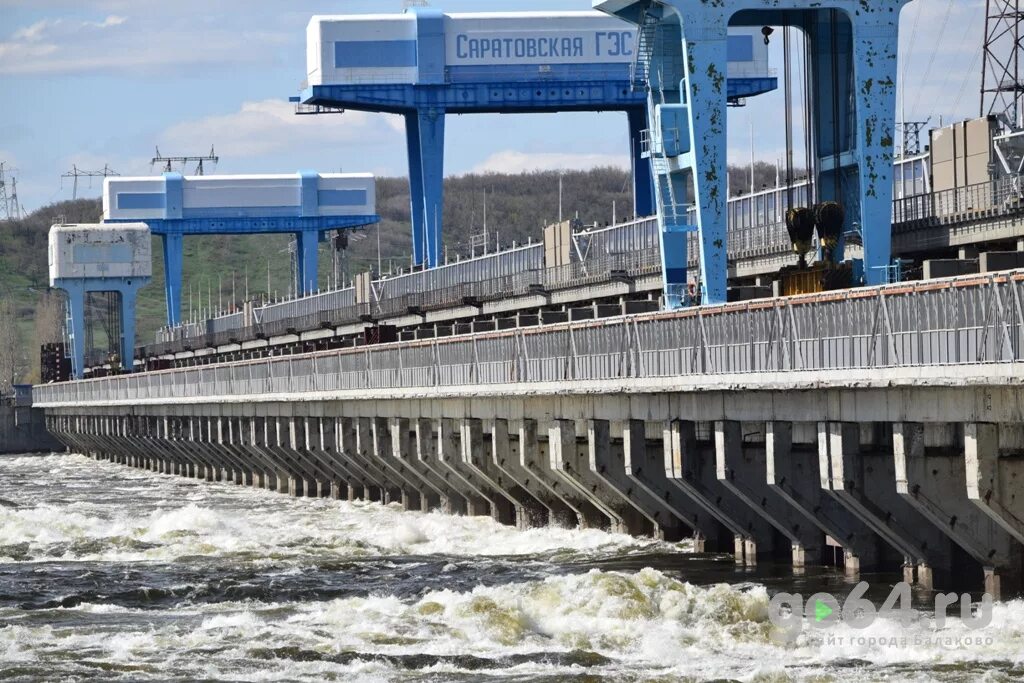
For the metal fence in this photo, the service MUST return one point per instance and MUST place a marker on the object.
(956, 321)
(1001, 197)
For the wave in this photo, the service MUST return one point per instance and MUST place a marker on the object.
(224, 520)
(608, 625)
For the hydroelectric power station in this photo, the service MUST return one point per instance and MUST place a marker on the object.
(762, 373)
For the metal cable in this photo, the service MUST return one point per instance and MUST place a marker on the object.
(931, 60)
(788, 93)
(966, 81)
(834, 26)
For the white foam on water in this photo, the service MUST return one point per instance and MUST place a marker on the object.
(222, 520)
(621, 626)
(642, 626)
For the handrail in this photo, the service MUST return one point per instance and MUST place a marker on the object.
(955, 321)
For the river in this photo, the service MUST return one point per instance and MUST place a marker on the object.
(109, 573)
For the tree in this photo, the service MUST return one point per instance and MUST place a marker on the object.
(10, 345)
(49, 322)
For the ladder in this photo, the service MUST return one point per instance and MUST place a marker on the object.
(647, 38)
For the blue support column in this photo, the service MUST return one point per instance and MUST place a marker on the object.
(643, 179)
(705, 51)
(76, 326)
(76, 289)
(173, 260)
(308, 262)
(417, 202)
(431, 125)
(128, 331)
(831, 37)
(874, 48)
(129, 295)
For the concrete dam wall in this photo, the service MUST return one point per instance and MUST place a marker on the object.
(23, 430)
(923, 478)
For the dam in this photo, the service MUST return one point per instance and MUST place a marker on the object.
(781, 391)
(755, 429)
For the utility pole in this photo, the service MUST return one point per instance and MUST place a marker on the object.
(561, 174)
(1001, 84)
(16, 209)
(167, 163)
(75, 173)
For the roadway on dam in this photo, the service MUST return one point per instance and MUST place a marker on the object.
(112, 573)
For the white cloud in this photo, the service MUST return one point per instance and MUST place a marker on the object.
(62, 45)
(33, 32)
(112, 20)
(272, 127)
(22, 53)
(511, 161)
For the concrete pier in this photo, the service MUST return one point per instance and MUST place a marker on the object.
(23, 430)
(743, 470)
(939, 499)
(793, 470)
(692, 467)
(863, 482)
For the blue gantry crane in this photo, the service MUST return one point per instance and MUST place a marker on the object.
(425, 64)
(306, 205)
(100, 258)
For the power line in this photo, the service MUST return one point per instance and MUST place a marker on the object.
(931, 59)
(968, 27)
(909, 42)
(75, 173)
(966, 81)
(167, 163)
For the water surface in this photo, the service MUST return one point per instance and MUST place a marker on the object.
(109, 573)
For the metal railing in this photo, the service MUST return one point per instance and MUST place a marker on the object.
(1001, 197)
(956, 321)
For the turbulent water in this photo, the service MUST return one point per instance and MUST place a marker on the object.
(108, 573)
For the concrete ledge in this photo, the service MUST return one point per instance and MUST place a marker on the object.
(1007, 377)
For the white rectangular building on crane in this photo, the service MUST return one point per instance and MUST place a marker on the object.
(238, 196)
(391, 48)
(96, 252)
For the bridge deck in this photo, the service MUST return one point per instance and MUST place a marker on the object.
(955, 321)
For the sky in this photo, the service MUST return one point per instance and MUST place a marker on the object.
(95, 83)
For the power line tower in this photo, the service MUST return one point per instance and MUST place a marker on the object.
(10, 209)
(167, 163)
(911, 134)
(1001, 84)
(15, 210)
(75, 173)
